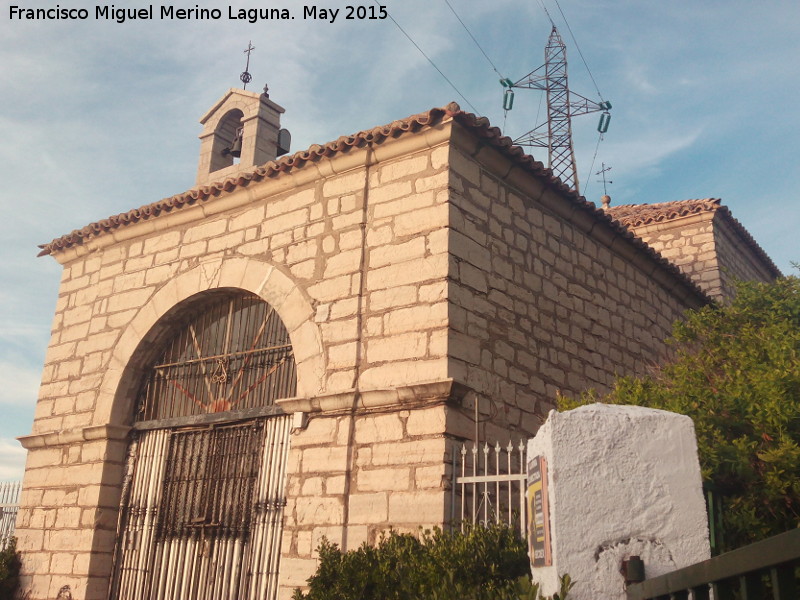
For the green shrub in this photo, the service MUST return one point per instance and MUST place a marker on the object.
(736, 373)
(482, 563)
(9, 569)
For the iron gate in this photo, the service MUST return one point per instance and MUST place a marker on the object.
(202, 512)
(489, 485)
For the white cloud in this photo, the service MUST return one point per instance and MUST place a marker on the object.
(637, 155)
(637, 76)
(12, 459)
(20, 384)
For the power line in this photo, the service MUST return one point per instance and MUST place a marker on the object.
(473, 38)
(591, 168)
(544, 8)
(433, 64)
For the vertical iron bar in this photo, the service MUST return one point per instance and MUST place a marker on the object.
(497, 483)
(171, 556)
(178, 580)
(784, 585)
(750, 586)
(453, 486)
(701, 592)
(485, 498)
(509, 470)
(523, 488)
(474, 486)
(723, 590)
(463, 486)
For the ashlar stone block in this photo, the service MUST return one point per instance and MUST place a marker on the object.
(378, 480)
(369, 508)
(381, 428)
(421, 507)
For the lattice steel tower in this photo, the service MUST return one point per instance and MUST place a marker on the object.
(562, 105)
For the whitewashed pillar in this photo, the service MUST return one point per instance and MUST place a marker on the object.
(616, 482)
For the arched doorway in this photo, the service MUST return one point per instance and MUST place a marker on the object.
(203, 495)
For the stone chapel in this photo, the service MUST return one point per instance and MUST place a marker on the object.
(290, 349)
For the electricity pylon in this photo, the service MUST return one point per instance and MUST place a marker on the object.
(562, 105)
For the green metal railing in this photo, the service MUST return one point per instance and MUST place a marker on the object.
(765, 569)
(716, 528)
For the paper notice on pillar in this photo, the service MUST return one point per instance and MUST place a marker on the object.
(538, 513)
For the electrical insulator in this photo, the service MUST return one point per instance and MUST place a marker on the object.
(508, 99)
(605, 119)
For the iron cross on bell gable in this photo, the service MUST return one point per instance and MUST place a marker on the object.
(245, 77)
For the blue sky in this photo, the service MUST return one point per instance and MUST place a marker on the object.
(98, 117)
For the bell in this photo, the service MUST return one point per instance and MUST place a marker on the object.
(236, 147)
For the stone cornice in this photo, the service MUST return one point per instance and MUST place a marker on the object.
(410, 396)
(403, 397)
(91, 433)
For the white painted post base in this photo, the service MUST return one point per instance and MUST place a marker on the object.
(621, 481)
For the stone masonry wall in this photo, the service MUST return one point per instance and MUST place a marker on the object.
(707, 249)
(372, 473)
(354, 260)
(737, 261)
(538, 305)
(689, 244)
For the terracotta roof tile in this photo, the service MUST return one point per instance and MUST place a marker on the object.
(271, 169)
(479, 126)
(638, 215)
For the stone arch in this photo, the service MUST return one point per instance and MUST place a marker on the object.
(121, 377)
(224, 134)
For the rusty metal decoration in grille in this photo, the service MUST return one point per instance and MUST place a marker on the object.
(232, 353)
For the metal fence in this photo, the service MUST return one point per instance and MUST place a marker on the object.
(489, 484)
(9, 506)
(716, 523)
(765, 569)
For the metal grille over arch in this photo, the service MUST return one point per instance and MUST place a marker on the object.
(203, 494)
(231, 353)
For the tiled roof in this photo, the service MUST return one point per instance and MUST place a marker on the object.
(271, 169)
(638, 215)
(479, 126)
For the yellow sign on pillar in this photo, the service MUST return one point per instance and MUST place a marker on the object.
(538, 514)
